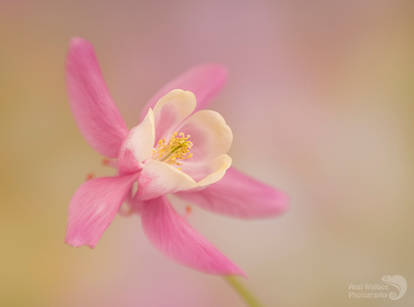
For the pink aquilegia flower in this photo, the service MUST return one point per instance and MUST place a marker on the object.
(177, 148)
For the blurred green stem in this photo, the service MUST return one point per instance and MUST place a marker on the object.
(243, 292)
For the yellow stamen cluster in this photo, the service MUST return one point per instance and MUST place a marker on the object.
(176, 149)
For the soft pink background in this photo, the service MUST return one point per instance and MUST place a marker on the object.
(320, 100)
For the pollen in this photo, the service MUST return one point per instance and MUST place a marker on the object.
(175, 150)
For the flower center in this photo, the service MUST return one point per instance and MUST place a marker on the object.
(176, 149)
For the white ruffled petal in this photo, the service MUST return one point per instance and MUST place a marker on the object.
(159, 178)
(171, 110)
(138, 146)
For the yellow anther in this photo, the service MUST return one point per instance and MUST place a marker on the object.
(176, 149)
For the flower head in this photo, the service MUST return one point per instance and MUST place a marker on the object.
(178, 148)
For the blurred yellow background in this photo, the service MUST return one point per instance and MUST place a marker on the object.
(321, 102)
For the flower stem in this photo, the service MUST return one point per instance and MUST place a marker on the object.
(242, 291)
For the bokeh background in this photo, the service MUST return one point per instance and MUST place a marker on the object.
(321, 102)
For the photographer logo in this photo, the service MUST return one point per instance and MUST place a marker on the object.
(391, 287)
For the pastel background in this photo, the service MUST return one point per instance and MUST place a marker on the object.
(321, 102)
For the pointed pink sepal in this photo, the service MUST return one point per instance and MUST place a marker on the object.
(239, 195)
(94, 206)
(93, 108)
(205, 81)
(170, 232)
